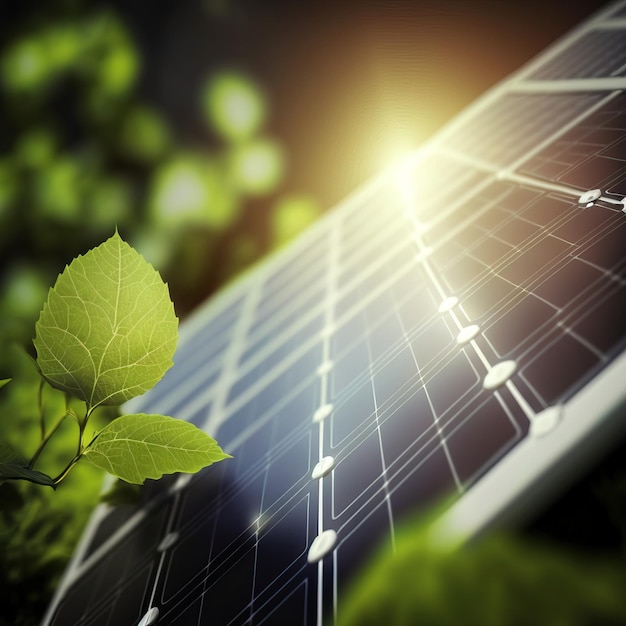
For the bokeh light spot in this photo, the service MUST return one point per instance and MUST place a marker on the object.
(25, 65)
(36, 148)
(57, 190)
(25, 290)
(110, 203)
(192, 190)
(144, 135)
(257, 167)
(233, 105)
(291, 216)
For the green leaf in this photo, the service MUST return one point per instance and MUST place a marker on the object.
(139, 446)
(14, 466)
(108, 330)
(4, 381)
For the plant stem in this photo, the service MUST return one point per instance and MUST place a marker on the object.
(46, 438)
(42, 409)
(66, 470)
(79, 452)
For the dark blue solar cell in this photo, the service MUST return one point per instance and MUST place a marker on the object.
(602, 324)
(350, 367)
(432, 343)
(385, 336)
(280, 355)
(296, 275)
(198, 417)
(535, 260)
(519, 324)
(393, 376)
(358, 472)
(449, 384)
(353, 412)
(282, 325)
(188, 615)
(422, 482)
(282, 546)
(290, 607)
(188, 559)
(274, 308)
(491, 251)
(608, 251)
(470, 449)
(568, 283)
(416, 309)
(288, 468)
(120, 569)
(516, 232)
(237, 517)
(584, 222)
(489, 296)
(201, 495)
(357, 544)
(405, 426)
(229, 592)
(349, 333)
(462, 272)
(548, 374)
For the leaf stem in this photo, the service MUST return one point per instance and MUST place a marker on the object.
(66, 470)
(79, 452)
(42, 408)
(46, 438)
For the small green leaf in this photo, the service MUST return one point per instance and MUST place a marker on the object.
(108, 330)
(4, 381)
(139, 446)
(14, 466)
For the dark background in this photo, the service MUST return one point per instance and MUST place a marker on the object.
(352, 84)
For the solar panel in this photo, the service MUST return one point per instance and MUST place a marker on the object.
(455, 327)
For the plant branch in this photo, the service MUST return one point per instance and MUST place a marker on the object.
(79, 452)
(46, 438)
(42, 408)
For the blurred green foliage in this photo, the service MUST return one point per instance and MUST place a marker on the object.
(82, 151)
(233, 105)
(496, 581)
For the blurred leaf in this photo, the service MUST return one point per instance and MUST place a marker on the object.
(13, 465)
(493, 582)
(233, 105)
(58, 190)
(4, 382)
(144, 135)
(156, 245)
(11, 498)
(111, 61)
(108, 330)
(8, 187)
(257, 167)
(192, 190)
(36, 148)
(242, 252)
(23, 291)
(139, 446)
(17, 471)
(291, 216)
(63, 44)
(109, 203)
(25, 65)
